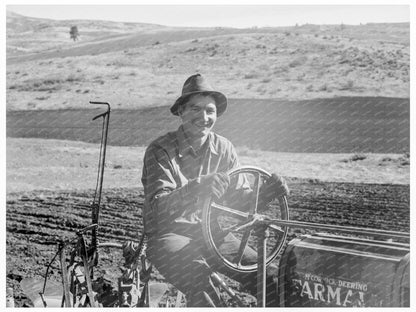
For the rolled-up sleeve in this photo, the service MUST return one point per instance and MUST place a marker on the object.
(239, 193)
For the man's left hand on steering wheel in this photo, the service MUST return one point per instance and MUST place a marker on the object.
(273, 188)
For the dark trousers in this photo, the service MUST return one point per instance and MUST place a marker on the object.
(179, 256)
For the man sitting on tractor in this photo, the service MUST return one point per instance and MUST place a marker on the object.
(180, 169)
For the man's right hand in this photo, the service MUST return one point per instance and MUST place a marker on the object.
(215, 184)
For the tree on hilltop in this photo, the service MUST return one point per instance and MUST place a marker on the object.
(74, 33)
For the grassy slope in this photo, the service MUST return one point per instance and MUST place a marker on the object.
(136, 65)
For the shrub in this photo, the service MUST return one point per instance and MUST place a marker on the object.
(387, 159)
(405, 163)
(250, 76)
(324, 87)
(298, 61)
(191, 49)
(355, 157)
(41, 98)
(405, 159)
(73, 78)
(347, 85)
(358, 156)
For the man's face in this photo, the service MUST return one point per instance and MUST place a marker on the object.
(199, 115)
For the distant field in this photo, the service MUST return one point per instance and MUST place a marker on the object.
(340, 125)
(129, 41)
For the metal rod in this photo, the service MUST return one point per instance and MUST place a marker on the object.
(61, 245)
(84, 257)
(256, 193)
(242, 247)
(100, 177)
(64, 272)
(106, 119)
(345, 229)
(114, 245)
(87, 228)
(262, 235)
(43, 300)
(220, 283)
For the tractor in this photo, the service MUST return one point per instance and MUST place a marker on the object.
(361, 268)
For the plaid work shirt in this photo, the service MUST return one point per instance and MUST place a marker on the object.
(170, 174)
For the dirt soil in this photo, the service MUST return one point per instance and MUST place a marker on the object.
(37, 220)
(50, 190)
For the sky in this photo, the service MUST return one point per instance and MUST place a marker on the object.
(237, 15)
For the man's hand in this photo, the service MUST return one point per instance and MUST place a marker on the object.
(214, 184)
(274, 187)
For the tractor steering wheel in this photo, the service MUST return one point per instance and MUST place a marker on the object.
(222, 221)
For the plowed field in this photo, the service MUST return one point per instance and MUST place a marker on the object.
(37, 220)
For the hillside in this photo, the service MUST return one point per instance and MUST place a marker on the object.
(135, 65)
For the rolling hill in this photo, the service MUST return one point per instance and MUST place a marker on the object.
(133, 65)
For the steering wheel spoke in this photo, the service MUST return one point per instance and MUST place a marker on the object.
(242, 247)
(234, 212)
(235, 228)
(277, 228)
(256, 191)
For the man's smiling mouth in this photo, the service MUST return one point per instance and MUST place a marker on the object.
(202, 125)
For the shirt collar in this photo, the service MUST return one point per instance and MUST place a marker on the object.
(184, 146)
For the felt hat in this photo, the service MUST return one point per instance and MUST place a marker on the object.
(196, 84)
